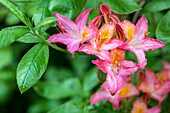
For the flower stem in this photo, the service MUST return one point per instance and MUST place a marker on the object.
(50, 44)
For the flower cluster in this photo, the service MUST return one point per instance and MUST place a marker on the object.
(107, 42)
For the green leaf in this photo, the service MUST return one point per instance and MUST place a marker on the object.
(163, 28)
(45, 22)
(16, 11)
(68, 107)
(58, 90)
(40, 14)
(5, 57)
(30, 38)
(32, 66)
(157, 5)
(122, 6)
(10, 34)
(90, 80)
(67, 8)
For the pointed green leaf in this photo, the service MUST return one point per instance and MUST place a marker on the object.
(16, 11)
(67, 8)
(40, 14)
(45, 22)
(32, 66)
(157, 5)
(11, 34)
(122, 6)
(163, 28)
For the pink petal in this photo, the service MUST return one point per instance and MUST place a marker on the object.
(127, 67)
(89, 49)
(138, 52)
(100, 95)
(128, 90)
(156, 109)
(112, 44)
(149, 44)
(128, 29)
(103, 65)
(166, 65)
(163, 76)
(82, 18)
(67, 24)
(105, 9)
(116, 101)
(71, 41)
(140, 30)
(97, 21)
(141, 77)
(160, 93)
(148, 85)
(139, 106)
(114, 18)
(114, 82)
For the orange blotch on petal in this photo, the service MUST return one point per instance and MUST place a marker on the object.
(124, 91)
(117, 55)
(84, 34)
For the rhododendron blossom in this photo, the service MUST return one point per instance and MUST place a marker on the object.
(102, 42)
(140, 107)
(153, 87)
(138, 40)
(127, 90)
(73, 33)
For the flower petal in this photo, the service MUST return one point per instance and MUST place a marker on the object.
(67, 24)
(127, 67)
(128, 90)
(141, 77)
(149, 44)
(112, 44)
(166, 65)
(114, 82)
(148, 85)
(156, 109)
(97, 21)
(139, 106)
(160, 93)
(103, 65)
(140, 30)
(116, 101)
(71, 41)
(82, 18)
(100, 95)
(128, 29)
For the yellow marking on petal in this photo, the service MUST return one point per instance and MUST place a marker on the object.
(130, 34)
(139, 110)
(116, 56)
(84, 34)
(124, 91)
(162, 77)
(103, 37)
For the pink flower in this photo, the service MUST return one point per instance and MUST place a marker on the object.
(116, 68)
(140, 107)
(138, 40)
(164, 75)
(153, 87)
(127, 90)
(73, 33)
(102, 43)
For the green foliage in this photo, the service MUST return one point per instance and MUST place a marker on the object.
(32, 66)
(122, 6)
(11, 34)
(58, 90)
(16, 11)
(157, 5)
(162, 31)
